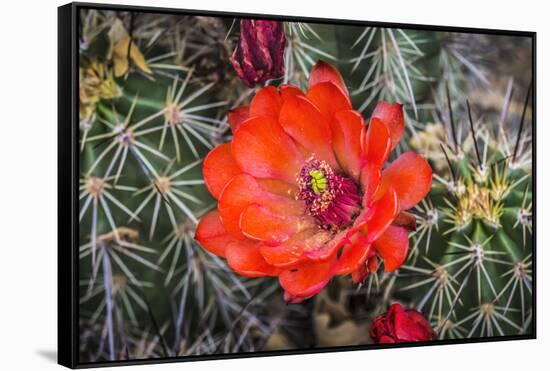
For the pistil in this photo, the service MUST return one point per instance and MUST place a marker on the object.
(332, 199)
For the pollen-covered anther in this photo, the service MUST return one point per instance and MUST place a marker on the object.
(332, 199)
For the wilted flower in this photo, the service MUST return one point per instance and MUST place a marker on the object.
(96, 83)
(400, 325)
(301, 191)
(260, 54)
(123, 50)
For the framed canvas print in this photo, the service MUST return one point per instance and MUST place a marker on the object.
(236, 185)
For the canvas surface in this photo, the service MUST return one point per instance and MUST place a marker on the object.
(258, 185)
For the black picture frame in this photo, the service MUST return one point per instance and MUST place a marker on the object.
(68, 175)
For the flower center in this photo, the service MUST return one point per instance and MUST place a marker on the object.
(332, 199)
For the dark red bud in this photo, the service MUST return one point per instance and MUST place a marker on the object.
(260, 54)
(399, 325)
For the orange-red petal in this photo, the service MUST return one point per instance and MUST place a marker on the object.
(261, 148)
(307, 279)
(378, 143)
(371, 265)
(328, 249)
(219, 168)
(259, 223)
(243, 191)
(287, 91)
(346, 132)
(323, 72)
(411, 177)
(293, 251)
(266, 103)
(371, 175)
(338, 240)
(237, 116)
(353, 255)
(304, 123)
(329, 98)
(392, 116)
(405, 220)
(384, 212)
(289, 299)
(212, 235)
(392, 245)
(244, 258)
(360, 275)
(279, 187)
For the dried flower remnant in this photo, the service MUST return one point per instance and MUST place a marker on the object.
(96, 83)
(124, 50)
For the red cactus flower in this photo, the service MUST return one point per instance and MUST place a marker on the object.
(301, 190)
(400, 325)
(259, 55)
